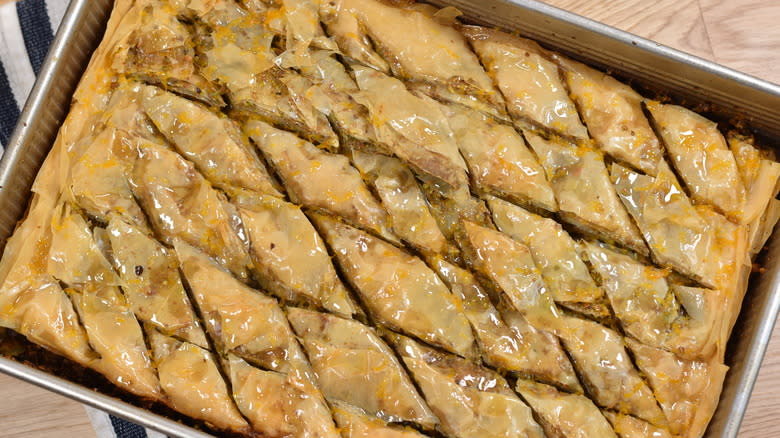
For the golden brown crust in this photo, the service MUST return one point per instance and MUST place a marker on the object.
(155, 164)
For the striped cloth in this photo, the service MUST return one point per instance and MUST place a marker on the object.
(26, 32)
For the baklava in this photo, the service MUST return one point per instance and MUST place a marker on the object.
(363, 218)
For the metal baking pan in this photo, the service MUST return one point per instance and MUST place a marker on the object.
(681, 76)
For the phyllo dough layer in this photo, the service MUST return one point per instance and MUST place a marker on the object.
(363, 218)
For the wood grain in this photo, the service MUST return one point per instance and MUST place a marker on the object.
(745, 35)
(28, 411)
(742, 34)
(676, 23)
(762, 419)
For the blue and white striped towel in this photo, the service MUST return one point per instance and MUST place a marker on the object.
(26, 31)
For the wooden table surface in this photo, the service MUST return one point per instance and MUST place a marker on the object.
(742, 34)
